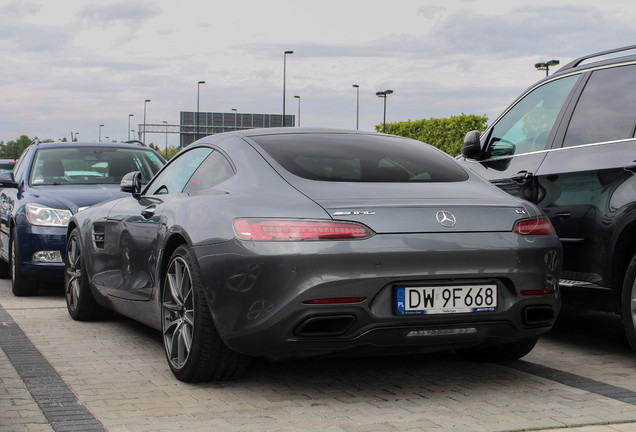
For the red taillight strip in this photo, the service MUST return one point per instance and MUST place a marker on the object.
(299, 229)
(537, 292)
(534, 226)
(336, 300)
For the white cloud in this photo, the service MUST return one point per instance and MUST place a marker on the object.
(70, 65)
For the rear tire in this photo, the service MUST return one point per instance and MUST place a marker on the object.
(628, 303)
(503, 352)
(21, 285)
(80, 302)
(194, 349)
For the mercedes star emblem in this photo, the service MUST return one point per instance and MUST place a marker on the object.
(446, 218)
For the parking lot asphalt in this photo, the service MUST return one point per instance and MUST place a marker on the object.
(60, 375)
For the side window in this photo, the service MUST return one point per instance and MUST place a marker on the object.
(606, 110)
(20, 166)
(175, 176)
(526, 127)
(214, 170)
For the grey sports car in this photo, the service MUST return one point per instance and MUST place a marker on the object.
(290, 242)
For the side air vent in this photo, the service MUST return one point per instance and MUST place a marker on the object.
(98, 236)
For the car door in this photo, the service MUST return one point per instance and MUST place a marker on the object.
(136, 226)
(587, 181)
(514, 147)
(8, 198)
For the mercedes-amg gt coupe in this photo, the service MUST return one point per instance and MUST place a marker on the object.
(291, 242)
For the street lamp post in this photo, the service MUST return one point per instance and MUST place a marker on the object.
(129, 116)
(196, 137)
(100, 132)
(384, 94)
(235, 118)
(284, 79)
(298, 97)
(546, 65)
(166, 124)
(144, 135)
(357, 87)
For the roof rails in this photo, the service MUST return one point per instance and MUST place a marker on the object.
(580, 60)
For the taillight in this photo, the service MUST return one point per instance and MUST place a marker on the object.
(534, 226)
(299, 229)
(336, 300)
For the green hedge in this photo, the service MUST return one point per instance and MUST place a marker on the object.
(446, 134)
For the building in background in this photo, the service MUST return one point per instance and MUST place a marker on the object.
(214, 123)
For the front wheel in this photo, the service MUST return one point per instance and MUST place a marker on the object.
(21, 285)
(193, 347)
(628, 303)
(502, 352)
(80, 302)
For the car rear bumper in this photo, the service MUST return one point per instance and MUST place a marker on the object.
(258, 292)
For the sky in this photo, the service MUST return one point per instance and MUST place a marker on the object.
(67, 66)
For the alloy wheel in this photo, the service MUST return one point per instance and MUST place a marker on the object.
(74, 273)
(178, 312)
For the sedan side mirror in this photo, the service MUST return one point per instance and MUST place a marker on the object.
(472, 146)
(131, 183)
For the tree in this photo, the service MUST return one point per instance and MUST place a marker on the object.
(447, 134)
(13, 149)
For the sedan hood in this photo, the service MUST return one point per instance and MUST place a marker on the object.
(76, 196)
(420, 208)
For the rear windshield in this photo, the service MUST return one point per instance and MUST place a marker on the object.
(91, 165)
(360, 158)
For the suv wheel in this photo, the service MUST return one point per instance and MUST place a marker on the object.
(628, 303)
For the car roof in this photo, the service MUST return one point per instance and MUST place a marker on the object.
(61, 144)
(298, 130)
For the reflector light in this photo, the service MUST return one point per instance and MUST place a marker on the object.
(299, 229)
(537, 292)
(335, 300)
(534, 226)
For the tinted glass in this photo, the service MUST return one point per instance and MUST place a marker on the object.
(360, 158)
(20, 166)
(606, 110)
(526, 127)
(91, 165)
(173, 179)
(215, 169)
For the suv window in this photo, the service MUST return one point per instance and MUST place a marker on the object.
(526, 127)
(605, 111)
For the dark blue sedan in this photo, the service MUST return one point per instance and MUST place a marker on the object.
(50, 183)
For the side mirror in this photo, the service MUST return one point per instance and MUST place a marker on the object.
(472, 146)
(7, 180)
(131, 183)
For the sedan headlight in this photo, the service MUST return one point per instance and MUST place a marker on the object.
(41, 215)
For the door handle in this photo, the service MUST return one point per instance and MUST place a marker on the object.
(149, 211)
(522, 177)
(562, 215)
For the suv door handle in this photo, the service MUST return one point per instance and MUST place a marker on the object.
(631, 167)
(522, 177)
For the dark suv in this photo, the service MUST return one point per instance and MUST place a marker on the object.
(568, 144)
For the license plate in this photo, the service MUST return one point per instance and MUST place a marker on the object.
(446, 299)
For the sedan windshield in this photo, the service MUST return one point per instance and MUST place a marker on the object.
(91, 165)
(360, 158)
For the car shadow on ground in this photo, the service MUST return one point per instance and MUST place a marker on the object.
(589, 329)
